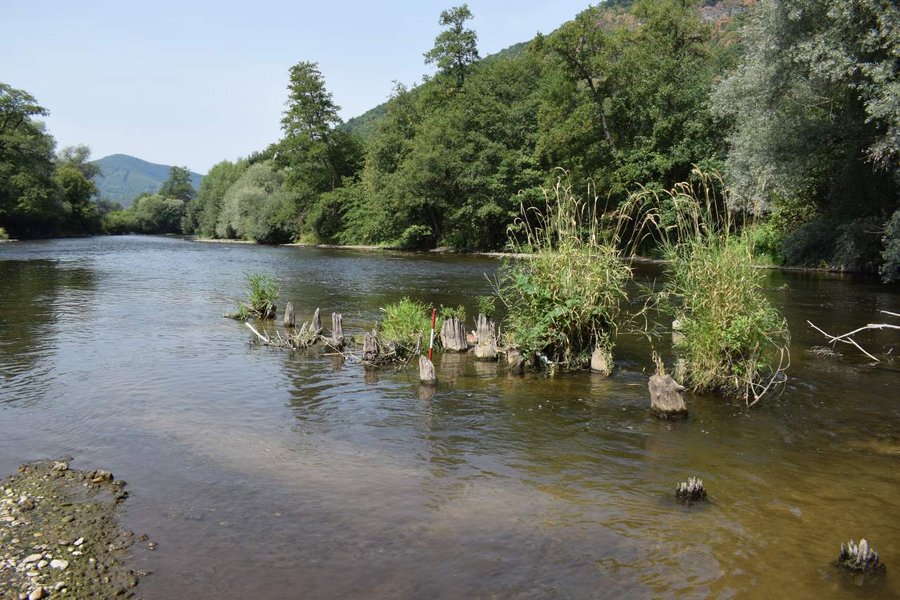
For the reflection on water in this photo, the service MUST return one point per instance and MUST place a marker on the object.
(269, 473)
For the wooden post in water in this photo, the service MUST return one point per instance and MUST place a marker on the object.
(486, 345)
(316, 322)
(426, 371)
(289, 315)
(337, 330)
(453, 335)
(370, 347)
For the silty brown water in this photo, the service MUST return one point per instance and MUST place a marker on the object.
(263, 473)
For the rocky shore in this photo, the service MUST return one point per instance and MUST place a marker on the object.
(59, 534)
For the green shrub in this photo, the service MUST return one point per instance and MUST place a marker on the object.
(416, 237)
(565, 299)
(734, 341)
(890, 267)
(405, 325)
(3, 234)
(486, 305)
(262, 292)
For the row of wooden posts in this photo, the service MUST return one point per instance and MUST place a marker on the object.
(666, 395)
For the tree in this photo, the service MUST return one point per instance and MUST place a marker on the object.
(28, 202)
(79, 156)
(455, 48)
(816, 135)
(178, 185)
(202, 213)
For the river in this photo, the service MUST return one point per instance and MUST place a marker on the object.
(261, 473)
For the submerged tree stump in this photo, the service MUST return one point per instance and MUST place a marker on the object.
(860, 558)
(370, 346)
(427, 374)
(486, 345)
(316, 326)
(602, 361)
(665, 397)
(337, 331)
(453, 335)
(289, 315)
(691, 490)
(514, 359)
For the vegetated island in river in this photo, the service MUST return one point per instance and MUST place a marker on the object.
(59, 534)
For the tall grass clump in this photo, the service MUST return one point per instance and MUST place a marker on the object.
(404, 326)
(565, 298)
(261, 294)
(733, 340)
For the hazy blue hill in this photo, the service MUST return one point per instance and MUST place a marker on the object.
(125, 177)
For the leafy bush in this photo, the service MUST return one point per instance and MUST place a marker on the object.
(262, 292)
(734, 341)
(3, 234)
(486, 305)
(416, 237)
(890, 268)
(404, 325)
(565, 299)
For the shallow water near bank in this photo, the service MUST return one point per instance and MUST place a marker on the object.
(264, 473)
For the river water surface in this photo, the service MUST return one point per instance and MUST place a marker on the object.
(272, 475)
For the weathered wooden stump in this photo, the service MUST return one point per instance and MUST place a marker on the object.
(486, 346)
(691, 490)
(665, 397)
(602, 361)
(426, 371)
(289, 315)
(370, 347)
(337, 331)
(860, 558)
(316, 326)
(514, 359)
(453, 335)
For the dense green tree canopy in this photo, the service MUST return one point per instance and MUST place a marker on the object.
(456, 47)
(178, 185)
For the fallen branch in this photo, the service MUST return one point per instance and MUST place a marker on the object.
(847, 338)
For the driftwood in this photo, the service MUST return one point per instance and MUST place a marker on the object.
(337, 331)
(691, 490)
(453, 335)
(847, 338)
(601, 361)
(426, 371)
(486, 344)
(316, 322)
(289, 315)
(665, 393)
(860, 558)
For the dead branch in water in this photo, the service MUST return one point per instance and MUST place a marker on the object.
(847, 338)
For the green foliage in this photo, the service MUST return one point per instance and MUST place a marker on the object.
(202, 213)
(455, 48)
(262, 292)
(415, 237)
(817, 124)
(258, 207)
(566, 299)
(3, 235)
(890, 267)
(178, 185)
(486, 305)
(733, 340)
(404, 326)
(123, 178)
(150, 214)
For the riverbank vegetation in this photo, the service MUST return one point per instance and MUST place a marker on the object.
(793, 102)
(728, 336)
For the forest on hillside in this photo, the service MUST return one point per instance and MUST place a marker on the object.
(794, 103)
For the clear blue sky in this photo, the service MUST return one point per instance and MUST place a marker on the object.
(192, 83)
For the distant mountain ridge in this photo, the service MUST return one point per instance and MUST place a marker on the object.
(125, 177)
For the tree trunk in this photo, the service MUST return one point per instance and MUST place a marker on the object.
(665, 397)
(289, 315)
(370, 347)
(337, 330)
(426, 371)
(486, 347)
(453, 335)
(316, 322)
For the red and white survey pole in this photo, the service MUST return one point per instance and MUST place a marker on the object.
(431, 341)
